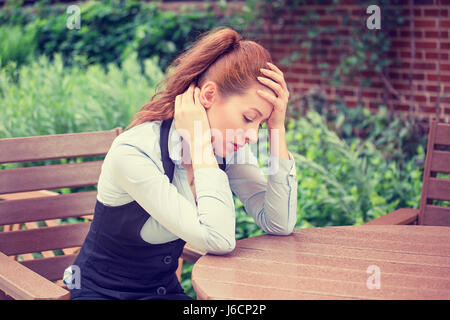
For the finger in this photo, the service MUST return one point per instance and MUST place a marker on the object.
(273, 85)
(274, 67)
(197, 95)
(186, 97)
(269, 97)
(191, 94)
(274, 76)
(177, 106)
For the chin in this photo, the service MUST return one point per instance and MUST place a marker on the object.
(223, 151)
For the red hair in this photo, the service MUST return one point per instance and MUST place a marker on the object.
(220, 55)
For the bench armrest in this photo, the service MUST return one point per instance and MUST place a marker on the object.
(191, 254)
(400, 216)
(22, 283)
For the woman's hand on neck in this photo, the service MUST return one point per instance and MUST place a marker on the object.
(186, 160)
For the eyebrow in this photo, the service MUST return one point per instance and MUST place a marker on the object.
(260, 114)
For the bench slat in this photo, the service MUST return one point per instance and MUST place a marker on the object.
(50, 177)
(45, 208)
(20, 282)
(440, 161)
(438, 189)
(42, 239)
(442, 134)
(50, 268)
(27, 195)
(436, 216)
(57, 146)
(402, 216)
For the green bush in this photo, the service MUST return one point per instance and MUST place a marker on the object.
(51, 99)
(105, 30)
(396, 136)
(112, 30)
(168, 33)
(17, 45)
(12, 13)
(345, 182)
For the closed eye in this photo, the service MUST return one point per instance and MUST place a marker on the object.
(249, 121)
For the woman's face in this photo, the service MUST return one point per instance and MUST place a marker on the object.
(234, 120)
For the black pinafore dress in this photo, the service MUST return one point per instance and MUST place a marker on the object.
(116, 263)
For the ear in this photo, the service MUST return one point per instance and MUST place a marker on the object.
(208, 94)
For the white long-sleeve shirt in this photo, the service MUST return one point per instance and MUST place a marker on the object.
(133, 171)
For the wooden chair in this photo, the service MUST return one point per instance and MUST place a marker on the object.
(30, 213)
(433, 188)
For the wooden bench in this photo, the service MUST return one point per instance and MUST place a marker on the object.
(35, 248)
(433, 188)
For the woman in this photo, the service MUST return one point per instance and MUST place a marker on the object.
(142, 219)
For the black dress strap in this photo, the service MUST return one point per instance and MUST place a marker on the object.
(163, 142)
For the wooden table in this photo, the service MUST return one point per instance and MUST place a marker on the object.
(350, 262)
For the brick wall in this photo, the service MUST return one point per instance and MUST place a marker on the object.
(397, 88)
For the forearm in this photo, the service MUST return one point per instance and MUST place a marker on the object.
(277, 141)
(209, 226)
(280, 201)
(272, 202)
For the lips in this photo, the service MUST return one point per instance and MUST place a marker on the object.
(237, 146)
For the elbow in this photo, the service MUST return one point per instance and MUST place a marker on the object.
(222, 247)
(280, 230)
(284, 222)
(287, 231)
